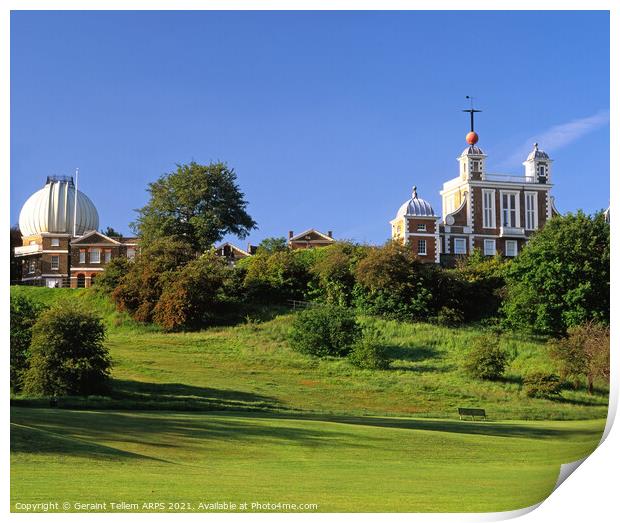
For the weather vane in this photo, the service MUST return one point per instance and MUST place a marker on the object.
(471, 112)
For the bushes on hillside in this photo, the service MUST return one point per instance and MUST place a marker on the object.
(583, 353)
(542, 385)
(391, 281)
(368, 352)
(24, 314)
(326, 330)
(67, 353)
(139, 290)
(194, 296)
(485, 359)
(561, 278)
(111, 277)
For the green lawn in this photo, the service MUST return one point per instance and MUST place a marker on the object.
(233, 414)
(340, 464)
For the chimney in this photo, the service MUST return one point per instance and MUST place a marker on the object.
(290, 234)
(329, 233)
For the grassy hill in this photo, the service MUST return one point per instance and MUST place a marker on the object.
(251, 366)
(233, 414)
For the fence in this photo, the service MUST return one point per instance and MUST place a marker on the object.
(55, 283)
(297, 304)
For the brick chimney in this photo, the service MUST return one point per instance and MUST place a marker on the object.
(329, 233)
(290, 234)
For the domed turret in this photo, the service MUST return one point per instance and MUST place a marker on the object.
(415, 207)
(538, 166)
(50, 210)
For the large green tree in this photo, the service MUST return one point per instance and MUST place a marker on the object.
(561, 278)
(196, 203)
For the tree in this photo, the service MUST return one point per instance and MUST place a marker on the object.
(486, 360)
(561, 278)
(68, 355)
(584, 352)
(113, 274)
(198, 204)
(139, 290)
(271, 245)
(195, 295)
(326, 330)
(391, 280)
(24, 314)
(111, 233)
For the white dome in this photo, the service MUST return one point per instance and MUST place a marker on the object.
(415, 207)
(51, 210)
(537, 154)
(472, 150)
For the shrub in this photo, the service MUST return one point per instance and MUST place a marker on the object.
(24, 314)
(393, 282)
(68, 356)
(542, 385)
(583, 352)
(449, 317)
(112, 275)
(194, 296)
(561, 277)
(486, 360)
(324, 331)
(369, 353)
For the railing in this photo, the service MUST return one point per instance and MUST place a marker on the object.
(27, 249)
(493, 177)
(297, 304)
(55, 283)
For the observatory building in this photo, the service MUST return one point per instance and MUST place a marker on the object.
(61, 245)
(493, 213)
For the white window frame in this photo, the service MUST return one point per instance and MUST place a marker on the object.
(542, 170)
(531, 213)
(131, 253)
(107, 255)
(459, 241)
(421, 227)
(82, 256)
(488, 212)
(421, 243)
(32, 267)
(91, 255)
(55, 242)
(55, 262)
(517, 209)
(490, 247)
(516, 248)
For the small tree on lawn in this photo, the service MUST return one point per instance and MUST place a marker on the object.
(584, 352)
(68, 356)
(325, 331)
(486, 360)
(24, 314)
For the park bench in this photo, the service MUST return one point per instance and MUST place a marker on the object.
(480, 413)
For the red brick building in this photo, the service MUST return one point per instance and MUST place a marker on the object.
(494, 213)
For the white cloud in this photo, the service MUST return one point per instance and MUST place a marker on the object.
(559, 136)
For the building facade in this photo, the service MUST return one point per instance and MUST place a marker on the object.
(494, 213)
(60, 243)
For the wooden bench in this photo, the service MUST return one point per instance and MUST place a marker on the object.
(480, 413)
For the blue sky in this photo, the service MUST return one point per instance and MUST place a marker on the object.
(328, 118)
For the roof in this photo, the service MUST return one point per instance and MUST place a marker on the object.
(50, 210)
(537, 154)
(472, 150)
(416, 207)
(301, 235)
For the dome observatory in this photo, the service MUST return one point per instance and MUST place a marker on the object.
(415, 224)
(51, 210)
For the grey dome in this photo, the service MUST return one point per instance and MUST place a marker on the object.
(537, 154)
(51, 210)
(472, 150)
(415, 207)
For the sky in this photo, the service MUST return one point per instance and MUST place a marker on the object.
(327, 118)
